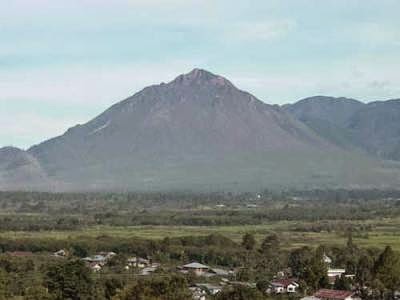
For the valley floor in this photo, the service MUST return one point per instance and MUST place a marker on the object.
(246, 242)
(385, 232)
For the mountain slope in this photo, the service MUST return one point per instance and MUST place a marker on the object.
(334, 110)
(196, 114)
(376, 128)
(197, 119)
(20, 170)
(327, 116)
(200, 132)
(372, 127)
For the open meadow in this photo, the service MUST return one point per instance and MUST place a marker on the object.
(384, 232)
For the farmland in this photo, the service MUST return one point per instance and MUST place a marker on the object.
(255, 235)
(314, 220)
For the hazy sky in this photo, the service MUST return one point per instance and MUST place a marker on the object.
(63, 62)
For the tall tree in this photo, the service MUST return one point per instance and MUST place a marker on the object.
(69, 280)
(315, 274)
(249, 242)
(299, 260)
(37, 293)
(271, 258)
(239, 293)
(364, 271)
(3, 285)
(270, 244)
(158, 288)
(387, 269)
(342, 283)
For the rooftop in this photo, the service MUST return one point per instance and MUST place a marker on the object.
(284, 282)
(196, 265)
(337, 270)
(333, 294)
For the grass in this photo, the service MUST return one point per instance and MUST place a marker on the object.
(385, 232)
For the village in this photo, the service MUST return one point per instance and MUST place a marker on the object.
(207, 281)
(201, 254)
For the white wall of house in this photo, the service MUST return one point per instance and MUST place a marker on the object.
(279, 289)
(291, 288)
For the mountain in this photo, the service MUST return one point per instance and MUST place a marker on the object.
(376, 128)
(20, 170)
(200, 132)
(373, 127)
(336, 111)
(194, 124)
(329, 117)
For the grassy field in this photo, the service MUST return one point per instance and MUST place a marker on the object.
(384, 232)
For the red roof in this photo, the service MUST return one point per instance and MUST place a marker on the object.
(283, 282)
(333, 294)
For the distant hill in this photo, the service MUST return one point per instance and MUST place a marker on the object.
(200, 132)
(373, 127)
(20, 170)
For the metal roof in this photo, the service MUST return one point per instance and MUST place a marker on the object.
(196, 265)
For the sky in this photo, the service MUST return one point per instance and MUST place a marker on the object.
(62, 62)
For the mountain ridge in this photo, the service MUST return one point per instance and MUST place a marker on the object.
(199, 131)
(372, 127)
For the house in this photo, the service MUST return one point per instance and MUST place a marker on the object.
(60, 253)
(149, 270)
(210, 289)
(251, 205)
(325, 294)
(203, 270)
(99, 259)
(197, 268)
(95, 267)
(280, 286)
(138, 262)
(198, 293)
(327, 260)
(108, 255)
(335, 273)
(285, 273)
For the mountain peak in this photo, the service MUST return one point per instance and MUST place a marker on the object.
(201, 76)
(329, 100)
(197, 73)
(9, 149)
